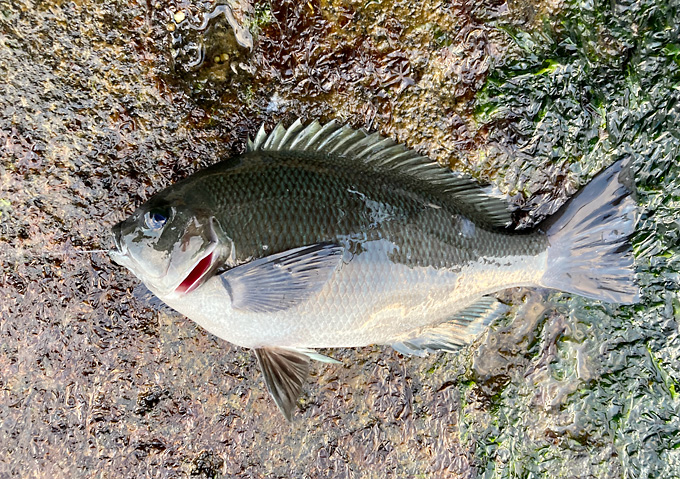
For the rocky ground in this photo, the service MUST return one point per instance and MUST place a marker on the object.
(103, 104)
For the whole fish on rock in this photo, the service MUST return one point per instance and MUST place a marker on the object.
(325, 236)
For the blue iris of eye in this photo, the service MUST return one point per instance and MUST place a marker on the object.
(154, 220)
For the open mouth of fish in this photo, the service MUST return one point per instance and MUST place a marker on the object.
(203, 266)
(197, 273)
(193, 279)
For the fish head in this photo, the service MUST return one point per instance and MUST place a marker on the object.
(170, 247)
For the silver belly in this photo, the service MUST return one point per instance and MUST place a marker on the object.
(367, 300)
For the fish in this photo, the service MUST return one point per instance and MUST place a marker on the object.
(326, 236)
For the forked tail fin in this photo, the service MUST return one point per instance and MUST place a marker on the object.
(590, 252)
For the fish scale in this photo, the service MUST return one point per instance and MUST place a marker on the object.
(302, 203)
(410, 237)
(325, 236)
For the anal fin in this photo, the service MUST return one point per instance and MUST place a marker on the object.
(455, 333)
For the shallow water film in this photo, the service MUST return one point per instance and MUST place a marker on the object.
(104, 103)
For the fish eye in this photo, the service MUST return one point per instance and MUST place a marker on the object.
(155, 220)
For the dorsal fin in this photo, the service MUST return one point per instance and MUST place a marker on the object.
(386, 155)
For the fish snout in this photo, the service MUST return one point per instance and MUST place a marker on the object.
(119, 252)
(117, 237)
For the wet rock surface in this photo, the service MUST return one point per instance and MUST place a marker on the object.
(101, 105)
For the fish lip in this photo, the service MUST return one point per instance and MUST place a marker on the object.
(211, 254)
(202, 269)
(117, 232)
(118, 246)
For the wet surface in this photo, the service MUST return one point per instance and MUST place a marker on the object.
(104, 104)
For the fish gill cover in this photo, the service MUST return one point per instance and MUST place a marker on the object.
(104, 104)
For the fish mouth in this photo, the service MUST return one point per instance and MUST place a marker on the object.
(119, 251)
(117, 243)
(197, 273)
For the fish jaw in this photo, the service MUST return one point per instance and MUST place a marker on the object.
(177, 270)
(120, 253)
(192, 280)
(198, 273)
(204, 265)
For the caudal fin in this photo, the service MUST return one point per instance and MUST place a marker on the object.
(590, 252)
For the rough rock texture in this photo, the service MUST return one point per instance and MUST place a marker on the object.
(103, 104)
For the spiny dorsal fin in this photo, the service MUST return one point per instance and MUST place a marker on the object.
(384, 154)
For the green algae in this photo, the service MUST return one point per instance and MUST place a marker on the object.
(594, 87)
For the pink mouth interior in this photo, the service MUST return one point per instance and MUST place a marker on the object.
(192, 280)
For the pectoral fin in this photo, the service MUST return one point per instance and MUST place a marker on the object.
(282, 280)
(460, 330)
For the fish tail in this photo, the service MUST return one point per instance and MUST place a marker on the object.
(590, 252)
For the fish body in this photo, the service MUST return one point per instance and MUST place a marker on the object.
(325, 236)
